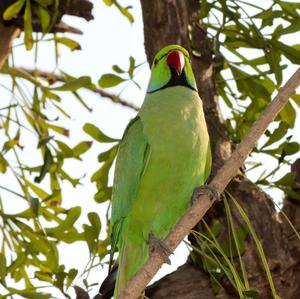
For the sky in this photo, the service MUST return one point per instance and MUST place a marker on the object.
(106, 40)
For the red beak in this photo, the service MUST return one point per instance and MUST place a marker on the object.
(175, 59)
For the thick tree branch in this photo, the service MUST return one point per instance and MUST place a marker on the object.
(219, 182)
(7, 34)
(52, 78)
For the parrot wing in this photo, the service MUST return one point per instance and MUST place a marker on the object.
(132, 159)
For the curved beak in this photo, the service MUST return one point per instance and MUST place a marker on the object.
(175, 60)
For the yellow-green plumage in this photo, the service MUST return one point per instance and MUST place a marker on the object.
(164, 155)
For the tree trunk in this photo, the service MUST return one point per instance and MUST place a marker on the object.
(175, 22)
(8, 34)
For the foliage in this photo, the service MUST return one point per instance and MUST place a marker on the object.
(247, 79)
(246, 82)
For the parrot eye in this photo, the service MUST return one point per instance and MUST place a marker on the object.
(155, 62)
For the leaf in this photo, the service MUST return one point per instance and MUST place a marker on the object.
(96, 134)
(278, 133)
(48, 160)
(68, 42)
(72, 216)
(296, 99)
(117, 69)
(125, 12)
(103, 194)
(71, 276)
(3, 164)
(110, 80)
(95, 222)
(65, 149)
(109, 154)
(13, 10)
(109, 2)
(288, 114)
(58, 129)
(251, 294)
(3, 267)
(82, 147)
(131, 67)
(75, 84)
(28, 26)
(101, 175)
(44, 17)
(287, 180)
(290, 53)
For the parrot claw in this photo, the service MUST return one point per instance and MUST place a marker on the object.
(212, 193)
(157, 245)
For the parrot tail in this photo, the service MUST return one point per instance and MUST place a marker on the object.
(132, 257)
(107, 287)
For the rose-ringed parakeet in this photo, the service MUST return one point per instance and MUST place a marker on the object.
(163, 156)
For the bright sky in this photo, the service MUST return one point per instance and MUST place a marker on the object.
(107, 40)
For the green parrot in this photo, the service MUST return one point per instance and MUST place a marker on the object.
(163, 156)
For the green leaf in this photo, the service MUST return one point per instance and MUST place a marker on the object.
(13, 10)
(288, 114)
(296, 99)
(103, 194)
(287, 180)
(81, 148)
(72, 216)
(278, 133)
(101, 175)
(110, 80)
(117, 69)
(131, 67)
(70, 43)
(109, 2)
(290, 53)
(125, 12)
(44, 2)
(28, 26)
(96, 134)
(48, 160)
(71, 276)
(109, 154)
(75, 84)
(65, 149)
(95, 222)
(251, 294)
(3, 164)
(3, 267)
(44, 17)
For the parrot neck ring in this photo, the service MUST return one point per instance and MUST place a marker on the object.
(176, 61)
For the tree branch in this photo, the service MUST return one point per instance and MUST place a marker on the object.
(219, 182)
(8, 34)
(52, 78)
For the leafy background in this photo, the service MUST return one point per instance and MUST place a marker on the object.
(59, 139)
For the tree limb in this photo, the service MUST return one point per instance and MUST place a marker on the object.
(8, 34)
(219, 182)
(52, 78)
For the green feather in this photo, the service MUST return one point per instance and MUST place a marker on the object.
(164, 155)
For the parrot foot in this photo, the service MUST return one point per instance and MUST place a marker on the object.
(157, 245)
(212, 193)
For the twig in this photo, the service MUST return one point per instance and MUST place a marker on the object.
(219, 182)
(50, 77)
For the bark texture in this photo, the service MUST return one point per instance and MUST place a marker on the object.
(175, 21)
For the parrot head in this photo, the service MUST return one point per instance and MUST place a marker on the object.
(171, 67)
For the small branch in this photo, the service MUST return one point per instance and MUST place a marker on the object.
(52, 78)
(231, 167)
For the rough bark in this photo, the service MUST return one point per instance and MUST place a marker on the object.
(167, 22)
